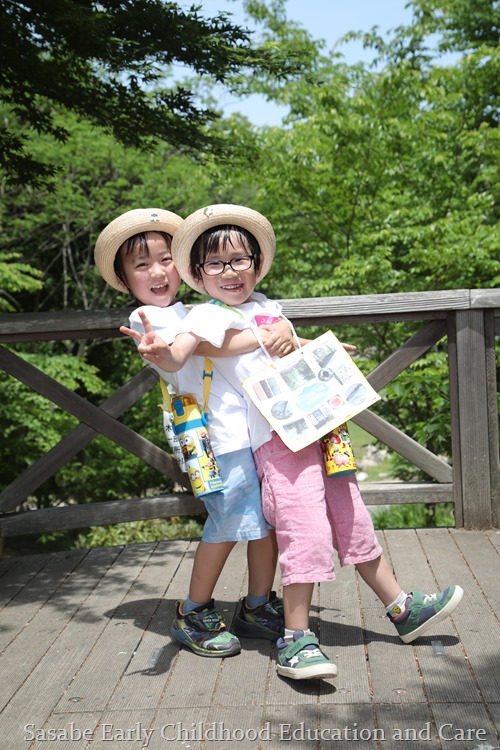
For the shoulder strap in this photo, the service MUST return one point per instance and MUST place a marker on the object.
(207, 384)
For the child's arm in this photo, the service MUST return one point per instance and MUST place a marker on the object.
(154, 349)
(277, 339)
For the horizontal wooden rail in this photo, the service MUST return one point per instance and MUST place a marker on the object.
(469, 319)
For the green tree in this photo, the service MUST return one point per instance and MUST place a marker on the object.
(109, 62)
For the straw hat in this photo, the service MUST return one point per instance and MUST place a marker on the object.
(121, 229)
(213, 216)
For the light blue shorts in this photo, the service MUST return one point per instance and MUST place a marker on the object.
(235, 513)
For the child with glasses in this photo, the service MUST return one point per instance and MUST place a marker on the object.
(224, 251)
(133, 254)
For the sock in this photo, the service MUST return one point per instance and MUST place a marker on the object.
(189, 605)
(398, 606)
(252, 601)
(288, 637)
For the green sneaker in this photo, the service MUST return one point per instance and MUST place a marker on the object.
(265, 621)
(424, 610)
(302, 658)
(203, 631)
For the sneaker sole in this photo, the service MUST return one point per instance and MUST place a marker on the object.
(445, 612)
(199, 650)
(244, 629)
(325, 671)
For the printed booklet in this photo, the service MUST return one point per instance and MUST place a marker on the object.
(310, 391)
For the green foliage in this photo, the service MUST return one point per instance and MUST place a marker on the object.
(108, 63)
(382, 180)
(412, 516)
(137, 532)
(16, 277)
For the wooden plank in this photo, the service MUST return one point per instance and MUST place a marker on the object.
(405, 726)
(17, 573)
(411, 350)
(404, 445)
(469, 722)
(75, 441)
(118, 639)
(67, 324)
(476, 625)
(481, 298)
(39, 593)
(492, 404)
(183, 686)
(100, 514)
(150, 607)
(367, 304)
(255, 659)
(473, 417)
(71, 324)
(341, 636)
(455, 420)
(388, 493)
(483, 559)
(25, 678)
(90, 414)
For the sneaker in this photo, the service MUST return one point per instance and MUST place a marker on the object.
(265, 621)
(203, 631)
(302, 658)
(424, 610)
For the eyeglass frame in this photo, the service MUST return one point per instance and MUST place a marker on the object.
(227, 263)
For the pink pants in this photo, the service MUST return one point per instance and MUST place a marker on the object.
(312, 513)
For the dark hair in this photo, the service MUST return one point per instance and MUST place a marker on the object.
(138, 241)
(219, 238)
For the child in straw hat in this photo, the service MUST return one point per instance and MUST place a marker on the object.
(133, 254)
(223, 251)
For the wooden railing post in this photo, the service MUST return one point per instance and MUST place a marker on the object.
(471, 449)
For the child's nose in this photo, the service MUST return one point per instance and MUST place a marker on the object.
(157, 269)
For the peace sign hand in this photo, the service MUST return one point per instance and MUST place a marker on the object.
(151, 347)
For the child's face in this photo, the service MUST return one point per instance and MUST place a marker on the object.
(231, 287)
(151, 276)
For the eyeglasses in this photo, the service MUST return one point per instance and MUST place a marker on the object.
(216, 267)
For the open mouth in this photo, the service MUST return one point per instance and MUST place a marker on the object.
(159, 288)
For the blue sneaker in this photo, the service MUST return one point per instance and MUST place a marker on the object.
(425, 610)
(265, 621)
(302, 658)
(203, 631)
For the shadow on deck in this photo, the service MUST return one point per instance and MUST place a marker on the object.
(87, 660)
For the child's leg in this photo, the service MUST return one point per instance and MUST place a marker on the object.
(297, 599)
(356, 543)
(260, 613)
(294, 503)
(197, 624)
(378, 575)
(209, 561)
(262, 556)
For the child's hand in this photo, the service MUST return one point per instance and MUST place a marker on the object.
(277, 338)
(149, 344)
(349, 347)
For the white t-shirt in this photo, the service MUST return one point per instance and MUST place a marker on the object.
(210, 322)
(227, 410)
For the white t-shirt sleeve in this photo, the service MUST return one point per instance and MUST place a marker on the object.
(165, 320)
(211, 322)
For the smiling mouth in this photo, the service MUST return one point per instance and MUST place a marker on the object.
(159, 288)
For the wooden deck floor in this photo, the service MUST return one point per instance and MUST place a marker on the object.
(87, 660)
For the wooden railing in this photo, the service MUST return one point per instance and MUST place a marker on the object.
(469, 319)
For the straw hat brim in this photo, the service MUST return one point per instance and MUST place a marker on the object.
(213, 216)
(121, 229)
